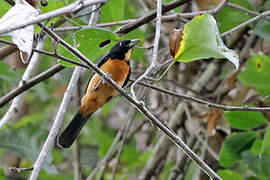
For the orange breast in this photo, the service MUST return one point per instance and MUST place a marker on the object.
(94, 99)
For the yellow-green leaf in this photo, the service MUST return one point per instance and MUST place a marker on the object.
(201, 40)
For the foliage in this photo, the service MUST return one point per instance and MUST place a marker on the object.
(201, 40)
(229, 17)
(256, 74)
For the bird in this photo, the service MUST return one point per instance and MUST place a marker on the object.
(116, 64)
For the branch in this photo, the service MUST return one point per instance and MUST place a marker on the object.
(74, 7)
(207, 104)
(163, 143)
(145, 19)
(245, 10)
(155, 51)
(254, 19)
(56, 125)
(30, 83)
(139, 105)
(6, 50)
(63, 107)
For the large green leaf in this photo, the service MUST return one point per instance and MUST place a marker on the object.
(256, 73)
(259, 164)
(266, 141)
(88, 41)
(233, 145)
(201, 40)
(229, 17)
(229, 175)
(244, 120)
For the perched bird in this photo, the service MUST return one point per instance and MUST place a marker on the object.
(116, 64)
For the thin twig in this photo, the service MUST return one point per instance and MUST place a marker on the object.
(207, 104)
(76, 160)
(155, 51)
(254, 19)
(19, 170)
(245, 10)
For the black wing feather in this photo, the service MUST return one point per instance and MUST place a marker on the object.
(127, 79)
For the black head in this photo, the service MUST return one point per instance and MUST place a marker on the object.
(121, 48)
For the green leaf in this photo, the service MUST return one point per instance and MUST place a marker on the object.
(201, 40)
(4, 7)
(130, 154)
(113, 11)
(244, 120)
(229, 175)
(256, 73)
(229, 17)
(7, 74)
(31, 118)
(88, 41)
(257, 146)
(266, 141)
(233, 145)
(262, 29)
(259, 164)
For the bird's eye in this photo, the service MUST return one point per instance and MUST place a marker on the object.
(121, 44)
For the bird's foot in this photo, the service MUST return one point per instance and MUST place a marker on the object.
(102, 80)
(108, 75)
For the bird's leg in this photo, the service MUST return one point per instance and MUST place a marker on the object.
(102, 80)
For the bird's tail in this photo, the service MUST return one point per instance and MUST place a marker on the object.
(68, 136)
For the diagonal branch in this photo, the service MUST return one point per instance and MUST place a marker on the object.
(138, 104)
(153, 14)
(74, 7)
(30, 83)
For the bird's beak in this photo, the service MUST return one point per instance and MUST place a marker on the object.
(133, 43)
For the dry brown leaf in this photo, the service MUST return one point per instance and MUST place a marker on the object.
(175, 40)
(212, 119)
